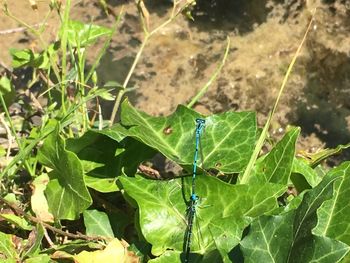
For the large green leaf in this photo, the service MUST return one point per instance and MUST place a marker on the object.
(66, 192)
(7, 249)
(288, 237)
(223, 209)
(105, 159)
(97, 224)
(80, 34)
(277, 165)
(226, 143)
(334, 214)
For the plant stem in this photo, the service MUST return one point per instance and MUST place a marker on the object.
(65, 121)
(36, 220)
(105, 46)
(14, 133)
(213, 77)
(247, 173)
(138, 55)
(126, 81)
(64, 41)
(37, 33)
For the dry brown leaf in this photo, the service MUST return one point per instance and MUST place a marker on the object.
(33, 4)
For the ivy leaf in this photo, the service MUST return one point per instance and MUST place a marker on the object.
(162, 211)
(226, 144)
(334, 214)
(97, 224)
(108, 158)
(288, 237)
(66, 192)
(277, 165)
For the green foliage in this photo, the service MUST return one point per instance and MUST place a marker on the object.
(333, 214)
(26, 57)
(227, 143)
(293, 231)
(77, 193)
(66, 192)
(276, 166)
(162, 207)
(97, 223)
(82, 35)
(7, 90)
(8, 252)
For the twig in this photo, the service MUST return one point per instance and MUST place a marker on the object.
(100, 118)
(20, 29)
(32, 97)
(53, 229)
(149, 171)
(46, 79)
(47, 237)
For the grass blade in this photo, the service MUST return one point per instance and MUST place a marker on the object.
(246, 175)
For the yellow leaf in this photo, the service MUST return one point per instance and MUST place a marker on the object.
(33, 4)
(38, 199)
(115, 251)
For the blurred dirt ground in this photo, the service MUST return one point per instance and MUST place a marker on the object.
(181, 58)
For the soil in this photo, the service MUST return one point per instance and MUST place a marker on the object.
(179, 59)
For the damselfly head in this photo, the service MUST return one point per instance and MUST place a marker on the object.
(194, 197)
(200, 125)
(200, 121)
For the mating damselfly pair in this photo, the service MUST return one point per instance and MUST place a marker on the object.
(191, 210)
